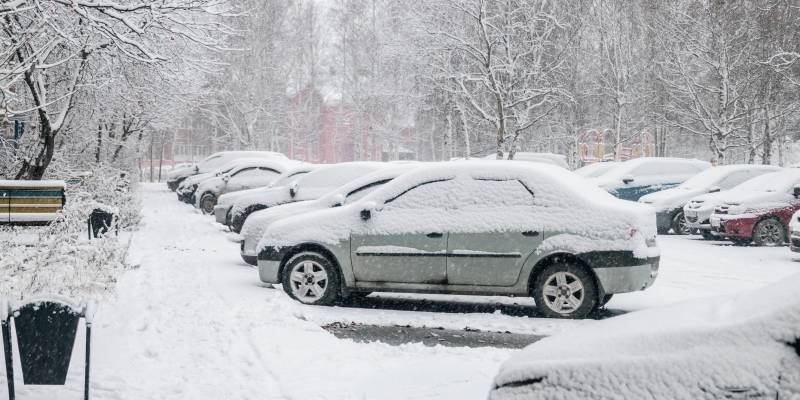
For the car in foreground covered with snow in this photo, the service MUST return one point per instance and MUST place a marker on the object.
(213, 163)
(744, 346)
(225, 202)
(310, 186)
(257, 222)
(794, 233)
(669, 203)
(760, 215)
(632, 179)
(473, 227)
(249, 173)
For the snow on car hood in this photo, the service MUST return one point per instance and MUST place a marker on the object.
(755, 201)
(699, 349)
(564, 203)
(255, 225)
(670, 199)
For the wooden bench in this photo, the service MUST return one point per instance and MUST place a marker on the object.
(30, 202)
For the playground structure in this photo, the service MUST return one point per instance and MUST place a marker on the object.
(606, 145)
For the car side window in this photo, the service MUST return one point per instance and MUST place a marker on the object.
(363, 191)
(432, 194)
(499, 193)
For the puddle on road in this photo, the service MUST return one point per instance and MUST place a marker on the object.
(397, 335)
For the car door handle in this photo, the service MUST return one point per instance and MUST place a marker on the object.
(435, 235)
(530, 233)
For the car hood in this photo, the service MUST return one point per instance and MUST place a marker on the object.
(751, 198)
(269, 196)
(670, 198)
(719, 345)
(257, 223)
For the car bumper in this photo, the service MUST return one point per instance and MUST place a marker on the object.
(628, 278)
(734, 226)
(269, 264)
(221, 214)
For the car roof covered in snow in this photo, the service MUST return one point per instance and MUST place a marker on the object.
(686, 350)
(388, 172)
(546, 158)
(595, 169)
(249, 162)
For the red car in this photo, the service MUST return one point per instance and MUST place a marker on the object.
(760, 216)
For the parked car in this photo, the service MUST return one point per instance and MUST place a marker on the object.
(546, 158)
(249, 173)
(632, 179)
(477, 227)
(669, 203)
(698, 209)
(222, 209)
(760, 215)
(596, 169)
(213, 163)
(794, 232)
(258, 221)
(741, 346)
(188, 185)
(310, 186)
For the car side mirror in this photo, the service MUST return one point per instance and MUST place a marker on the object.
(293, 189)
(627, 179)
(796, 191)
(366, 212)
(338, 200)
(714, 189)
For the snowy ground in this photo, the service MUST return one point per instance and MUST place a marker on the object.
(193, 322)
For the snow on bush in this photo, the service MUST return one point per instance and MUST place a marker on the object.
(58, 259)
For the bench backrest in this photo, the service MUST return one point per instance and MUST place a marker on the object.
(30, 201)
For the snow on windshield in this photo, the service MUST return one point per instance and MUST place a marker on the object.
(595, 170)
(772, 182)
(706, 179)
(336, 175)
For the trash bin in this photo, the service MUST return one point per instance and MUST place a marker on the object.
(45, 336)
(99, 222)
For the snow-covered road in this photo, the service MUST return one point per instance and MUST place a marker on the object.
(193, 322)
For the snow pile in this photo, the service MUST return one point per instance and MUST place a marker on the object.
(718, 348)
(58, 259)
(482, 196)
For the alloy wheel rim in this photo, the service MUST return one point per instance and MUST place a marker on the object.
(684, 229)
(563, 292)
(207, 205)
(308, 281)
(770, 234)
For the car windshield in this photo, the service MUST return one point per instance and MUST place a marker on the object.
(334, 176)
(595, 170)
(772, 182)
(705, 179)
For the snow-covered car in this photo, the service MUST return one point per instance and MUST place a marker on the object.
(310, 186)
(595, 169)
(546, 158)
(249, 173)
(477, 227)
(794, 233)
(188, 185)
(669, 203)
(258, 221)
(698, 209)
(760, 215)
(632, 179)
(742, 346)
(213, 163)
(225, 202)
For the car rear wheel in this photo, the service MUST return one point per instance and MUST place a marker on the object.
(769, 232)
(679, 226)
(207, 203)
(565, 290)
(311, 278)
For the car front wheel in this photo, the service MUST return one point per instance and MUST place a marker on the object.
(207, 203)
(311, 278)
(679, 224)
(769, 232)
(565, 290)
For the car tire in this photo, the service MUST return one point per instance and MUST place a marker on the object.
(769, 232)
(679, 224)
(555, 292)
(237, 221)
(311, 278)
(207, 203)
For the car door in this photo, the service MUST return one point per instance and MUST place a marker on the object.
(494, 257)
(398, 244)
